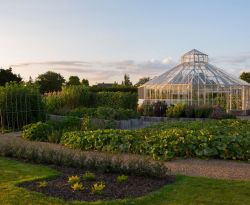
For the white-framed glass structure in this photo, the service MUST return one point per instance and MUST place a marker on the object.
(197, 82)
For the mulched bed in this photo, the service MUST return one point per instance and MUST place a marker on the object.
(135, 186)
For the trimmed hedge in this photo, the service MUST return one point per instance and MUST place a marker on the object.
(113, 89)
(117, 100)
(224, 139)
(80, 96)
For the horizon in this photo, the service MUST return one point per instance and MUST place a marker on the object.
(103, 40)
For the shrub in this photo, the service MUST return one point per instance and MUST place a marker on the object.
(88, 176)
(176, 111)
(71, 123)
(106, 113)
(73, 180)
(122, 179)
(190, 111)
(157, 109)
(68, 123)
(82, 112)
(77, 186)
(98, 187)
(37, 131)
(218, 113)
(203, 111)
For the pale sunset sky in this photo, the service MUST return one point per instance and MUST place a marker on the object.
(101, 40)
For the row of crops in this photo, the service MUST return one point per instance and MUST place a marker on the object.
(224, 139)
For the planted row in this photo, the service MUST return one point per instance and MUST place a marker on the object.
(225, 139)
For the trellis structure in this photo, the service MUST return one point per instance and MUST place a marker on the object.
(196, 82)
(19, 109)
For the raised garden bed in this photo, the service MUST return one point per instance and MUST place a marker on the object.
(59, 187)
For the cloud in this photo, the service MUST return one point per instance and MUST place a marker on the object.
(74, 70)
(238, 59)
(55, 63)
(146, 67)
(104, 71)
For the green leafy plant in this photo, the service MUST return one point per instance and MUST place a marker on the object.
(78, 186)
(42, 184)
(98, 187)
(122, 179)
(73, 179)
(225, 139)
(37, 131)
(88, 176)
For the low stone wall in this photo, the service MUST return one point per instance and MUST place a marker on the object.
(144, 121)
(120, 124)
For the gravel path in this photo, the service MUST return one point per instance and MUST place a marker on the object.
(219, 169)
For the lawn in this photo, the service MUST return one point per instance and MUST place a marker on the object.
(186, 190)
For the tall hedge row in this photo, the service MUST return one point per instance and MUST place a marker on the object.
(81, 96)
(113, 89)
(124, 100)
(20, 105)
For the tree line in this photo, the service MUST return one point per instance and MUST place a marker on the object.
(53, 82)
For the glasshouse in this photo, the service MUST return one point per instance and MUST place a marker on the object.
(196, 82)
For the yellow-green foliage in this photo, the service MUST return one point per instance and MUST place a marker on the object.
(122, 178)
(42, 184)
(98, 187)
(88, 176)
(73, 179)
(77, 186)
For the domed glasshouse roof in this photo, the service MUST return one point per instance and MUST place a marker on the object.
(195, 70)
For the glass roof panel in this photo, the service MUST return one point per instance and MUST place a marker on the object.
(194, 70)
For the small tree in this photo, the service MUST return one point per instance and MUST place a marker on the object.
(142, 81)
(73, 80)
(50, 81)
(245, 76)
(127, 81)
(7, 76)
(85, 82)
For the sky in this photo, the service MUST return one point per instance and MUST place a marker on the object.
(101, 40)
